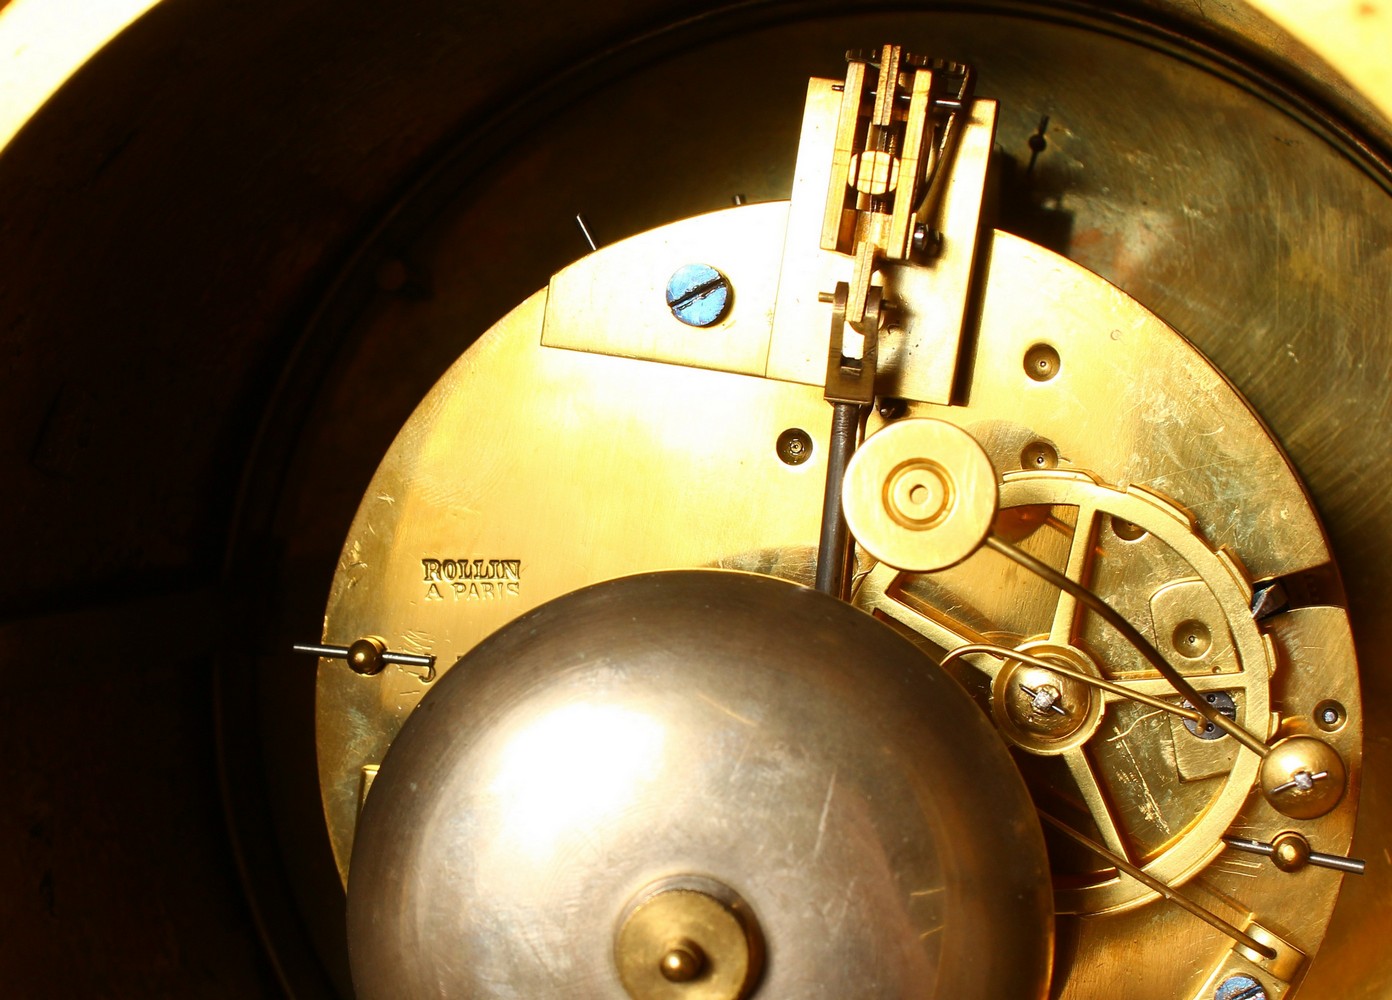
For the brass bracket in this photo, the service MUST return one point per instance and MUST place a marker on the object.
(918, 353)
(895, 130)
(850, 372)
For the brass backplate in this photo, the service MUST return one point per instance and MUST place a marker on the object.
(531, 470)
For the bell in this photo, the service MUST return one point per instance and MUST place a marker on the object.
(699, 784)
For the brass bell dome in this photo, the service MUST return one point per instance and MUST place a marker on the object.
(804, 775)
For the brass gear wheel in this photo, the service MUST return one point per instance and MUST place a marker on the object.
(1152, 791)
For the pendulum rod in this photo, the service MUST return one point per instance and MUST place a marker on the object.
(1129, 632)
(1163, 888)
(833, 548)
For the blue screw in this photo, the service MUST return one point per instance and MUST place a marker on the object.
(698, 294)
(1240, 988)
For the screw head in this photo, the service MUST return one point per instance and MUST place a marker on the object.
(698, 295)
(1240, 988)
(1220, 700)
(794, 446)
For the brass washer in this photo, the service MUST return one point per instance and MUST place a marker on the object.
(688, 939)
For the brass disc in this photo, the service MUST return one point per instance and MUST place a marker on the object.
(689, 939)
(920, 495)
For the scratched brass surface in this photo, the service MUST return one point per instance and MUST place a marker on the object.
(1347, 364)
(609, 467)
(1227, 215)
(530, 471)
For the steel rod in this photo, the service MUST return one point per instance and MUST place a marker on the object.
(1353, 866)
(1005, 653)
(833, 548)
(1166, 890)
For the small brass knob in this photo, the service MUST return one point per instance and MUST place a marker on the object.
(688, 938)
(683, 962)
(1290, 852)
(1303, 777)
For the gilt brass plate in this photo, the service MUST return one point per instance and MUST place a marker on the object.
(530, 471)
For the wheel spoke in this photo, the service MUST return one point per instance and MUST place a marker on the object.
(876, 595)
(1076, 569)
(1097, 801)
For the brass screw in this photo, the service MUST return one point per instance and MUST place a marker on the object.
(1041, 362)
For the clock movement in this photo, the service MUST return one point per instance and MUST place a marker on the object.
(799, 500)
(1058, 498)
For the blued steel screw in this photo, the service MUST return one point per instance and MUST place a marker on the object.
(1240, 988)
(698, 294)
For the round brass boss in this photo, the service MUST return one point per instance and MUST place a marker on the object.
(920, 495)
(1043, 712)
(688, 939)
(1303, 777)
(365, 655)
(1290, 852)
